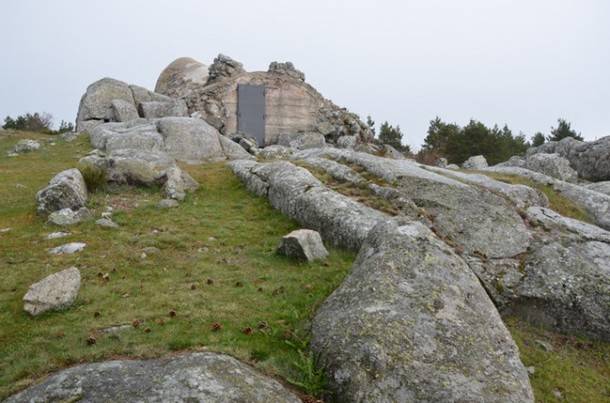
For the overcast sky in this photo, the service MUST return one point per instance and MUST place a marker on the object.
(520, 62)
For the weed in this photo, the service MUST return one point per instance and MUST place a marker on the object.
(95, 177)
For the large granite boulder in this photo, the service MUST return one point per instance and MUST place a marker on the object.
(412, 323)
(124, 111)
(156, 109)
(552, 165)
(147, 168)
(67, 189)
(475, 162)
(110, 100)
(96, 104)
(193, 377)
(190, 140)
(138, 134)
(54, 292)
(175, 79)
(590, 159)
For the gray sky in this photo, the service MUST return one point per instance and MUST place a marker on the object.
(521, 62)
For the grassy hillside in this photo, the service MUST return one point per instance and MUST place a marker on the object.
(217, 267)
(216, 284)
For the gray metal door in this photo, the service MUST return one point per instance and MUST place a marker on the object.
(251, 111)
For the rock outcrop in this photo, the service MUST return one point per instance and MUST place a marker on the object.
(411, 323)
(67, 189)
(590, 159)
(601, 187)
(194, 377)
(596, 204)
(303, 244)
(147, 168)
(552, 165)
(188, 140)
(483, 220)
(110, 100)
(57, 291)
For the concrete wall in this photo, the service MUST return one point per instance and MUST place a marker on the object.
(291, 105)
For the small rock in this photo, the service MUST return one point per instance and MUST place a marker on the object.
(441, 162)
(303, 244)
(557, 393)
(168, 203)
(4, 230)
(67, 216)
(68, 248)
(546, 346)
(531, 370)
(107, 223)
(25, 146)
(57, 235)
(67, 189)
(57, 291)
(151, 250)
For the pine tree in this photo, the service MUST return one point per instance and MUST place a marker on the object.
(563, 130)
(391, 136)
(371, 124)
(538, 139)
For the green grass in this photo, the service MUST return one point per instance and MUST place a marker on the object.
(578, 368)
(557, 202)
(220, 233)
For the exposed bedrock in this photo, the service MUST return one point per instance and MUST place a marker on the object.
(591, 159)
(193, 377)
(412, 323)
(476, 219)
(595, 203)
(490, 223)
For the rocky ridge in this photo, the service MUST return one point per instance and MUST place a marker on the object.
(442, 254)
